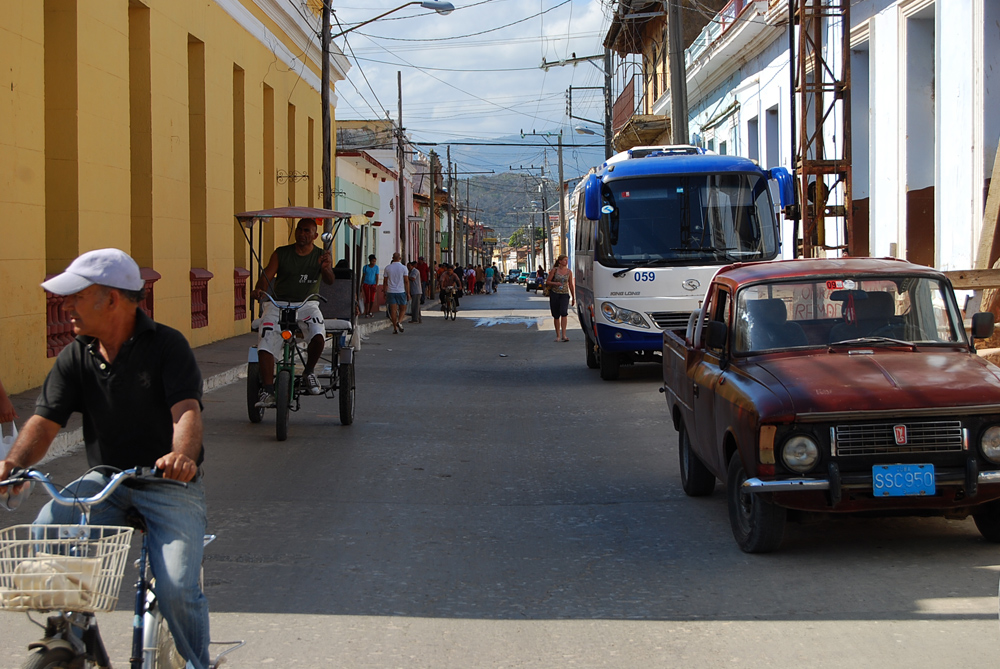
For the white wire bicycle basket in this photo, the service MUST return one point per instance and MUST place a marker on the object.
(62, 567)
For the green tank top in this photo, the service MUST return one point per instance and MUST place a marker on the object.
(298, 276)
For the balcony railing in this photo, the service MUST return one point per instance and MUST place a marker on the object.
(199, 297)
(715, 29)
(240, 277)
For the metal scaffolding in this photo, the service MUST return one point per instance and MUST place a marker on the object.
(822, 93)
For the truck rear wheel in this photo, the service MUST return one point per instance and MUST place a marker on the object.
(609, 365)
(758, 525)
(696, 479)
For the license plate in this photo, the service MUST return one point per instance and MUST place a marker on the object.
(903, 480)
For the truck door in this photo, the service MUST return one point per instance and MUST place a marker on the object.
(705, 375)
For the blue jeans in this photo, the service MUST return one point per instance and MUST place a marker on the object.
(175, 520)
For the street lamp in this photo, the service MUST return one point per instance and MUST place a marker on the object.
(583, 130)
(326, 38)
(443, 8)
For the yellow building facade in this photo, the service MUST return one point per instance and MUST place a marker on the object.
(145, 125)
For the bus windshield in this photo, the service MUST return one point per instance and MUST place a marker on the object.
(686, 220)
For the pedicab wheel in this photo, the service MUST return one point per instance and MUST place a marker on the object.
(253, 392)
(346, 391)
(282, 400)
(49, 659)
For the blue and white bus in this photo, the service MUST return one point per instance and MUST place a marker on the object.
(653, 224)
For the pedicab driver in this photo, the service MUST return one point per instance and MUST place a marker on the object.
(138, 387)
(294, 272)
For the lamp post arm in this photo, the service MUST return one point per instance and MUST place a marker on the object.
(439, 7)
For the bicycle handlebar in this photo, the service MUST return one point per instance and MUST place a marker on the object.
(284, 304)
(20, 476)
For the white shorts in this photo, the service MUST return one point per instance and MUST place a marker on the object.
(309, 318)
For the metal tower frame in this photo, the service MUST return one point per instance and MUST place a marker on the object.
(823, 94)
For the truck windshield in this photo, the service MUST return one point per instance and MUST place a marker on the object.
(686, 220)
(834, 310)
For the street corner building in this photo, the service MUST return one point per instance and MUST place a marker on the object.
(145, 125)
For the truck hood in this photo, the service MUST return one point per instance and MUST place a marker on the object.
(884, 380)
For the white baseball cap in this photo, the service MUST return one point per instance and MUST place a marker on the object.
(105, 267)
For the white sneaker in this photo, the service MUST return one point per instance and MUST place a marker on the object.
(312, 384)
(266, 400)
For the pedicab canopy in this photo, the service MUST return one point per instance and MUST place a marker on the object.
(247, 218)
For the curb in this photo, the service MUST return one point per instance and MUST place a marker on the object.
(67, 443)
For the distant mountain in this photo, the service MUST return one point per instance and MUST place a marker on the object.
(503, 200)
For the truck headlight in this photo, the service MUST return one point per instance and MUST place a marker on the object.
(990, 444)
(800, 453)
(616, 314)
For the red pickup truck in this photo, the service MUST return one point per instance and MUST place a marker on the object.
(834, 386)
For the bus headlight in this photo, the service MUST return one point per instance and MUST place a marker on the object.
(990, 444)
(615, 314)
(800, 453)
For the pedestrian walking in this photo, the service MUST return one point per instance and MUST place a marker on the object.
(369, 286)
(416, 292)
(497, 277)
(470, 279)
(489, 280)
(562, 295)
(425, 277)
(397, 291)
(480, 278)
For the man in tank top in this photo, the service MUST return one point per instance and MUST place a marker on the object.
(291, 275)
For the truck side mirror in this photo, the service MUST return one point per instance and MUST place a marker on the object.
(716, 335)
(592, 198)
(982, 325)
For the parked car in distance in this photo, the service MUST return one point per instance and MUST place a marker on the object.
(834, 386)
(522, 277)
(513, 276)
(534, 282)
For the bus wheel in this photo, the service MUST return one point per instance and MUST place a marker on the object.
(592, 362)
(609, 365)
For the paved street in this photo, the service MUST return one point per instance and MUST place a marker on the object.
(495, 504)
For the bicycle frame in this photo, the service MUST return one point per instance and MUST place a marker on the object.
(78, 632)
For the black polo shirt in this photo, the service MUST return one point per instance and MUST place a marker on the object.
(125, 405)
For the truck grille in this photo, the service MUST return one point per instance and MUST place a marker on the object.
(878, 439)
(671, 320)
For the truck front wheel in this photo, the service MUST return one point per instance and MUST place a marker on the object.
(758, 525)
(696, 479)
(987, 519)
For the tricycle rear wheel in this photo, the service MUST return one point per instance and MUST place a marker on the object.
(346, 391)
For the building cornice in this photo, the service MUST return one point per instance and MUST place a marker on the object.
(302, 35)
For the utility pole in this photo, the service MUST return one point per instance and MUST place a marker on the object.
(400, 164)
(325, 39)
(545, 222)
(430, 225)
(678, 75)
(562, 204)
(451, 211)
(607, 103)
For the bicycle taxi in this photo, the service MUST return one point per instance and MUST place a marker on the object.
(338, 304)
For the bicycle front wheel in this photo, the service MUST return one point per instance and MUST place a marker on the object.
(53, 658)
(283, 400)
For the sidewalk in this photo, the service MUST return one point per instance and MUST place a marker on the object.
(221, 362)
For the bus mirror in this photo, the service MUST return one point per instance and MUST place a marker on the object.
(592, 198)
(786, 187)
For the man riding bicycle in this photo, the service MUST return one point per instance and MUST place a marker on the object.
(138, 386)
(292, 274)
(449, 280)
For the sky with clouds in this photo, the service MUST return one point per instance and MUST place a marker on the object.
(474, 73)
